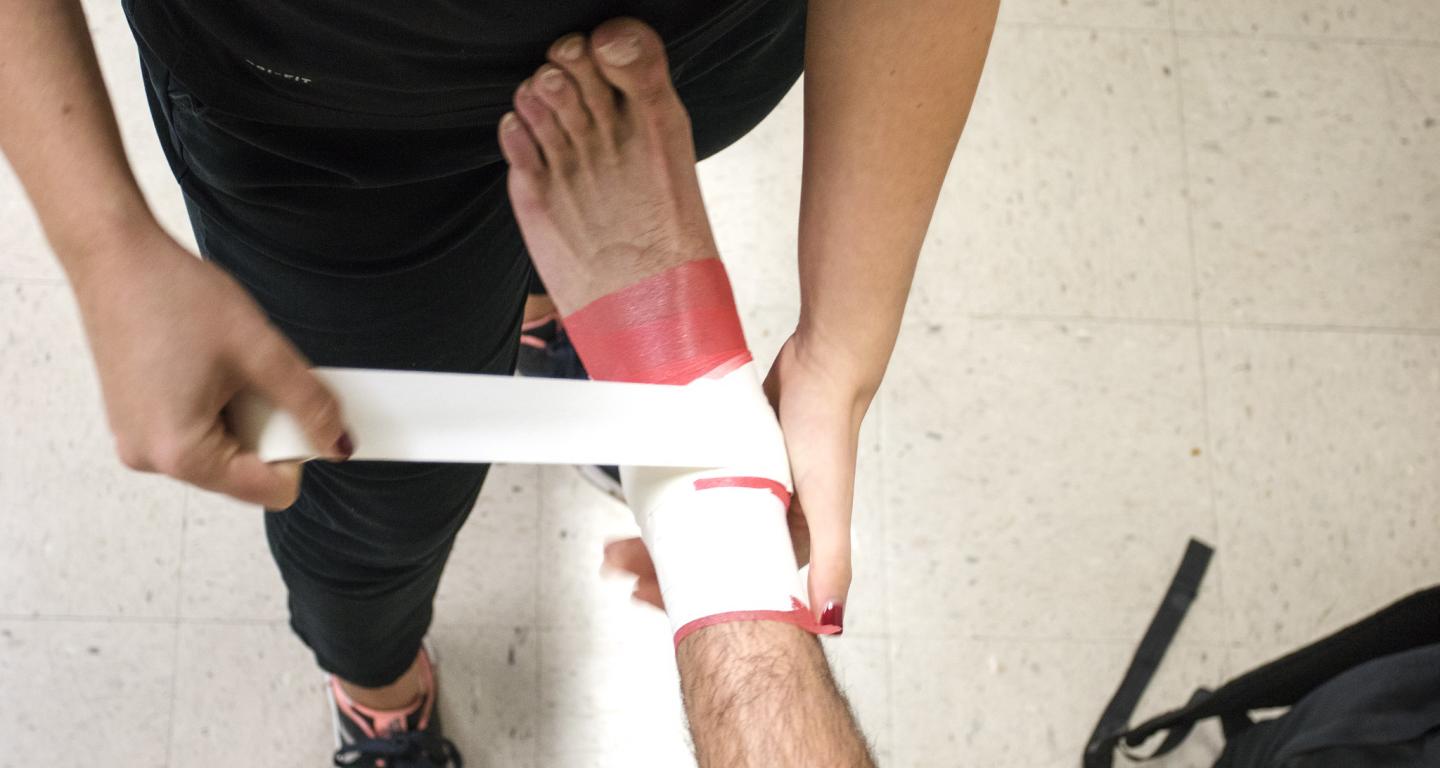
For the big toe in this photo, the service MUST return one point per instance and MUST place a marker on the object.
(631, 57)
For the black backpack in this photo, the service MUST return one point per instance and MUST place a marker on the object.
(1367, 696)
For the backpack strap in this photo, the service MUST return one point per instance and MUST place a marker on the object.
(1115, 721)
(1409, 623)
(1406, 624)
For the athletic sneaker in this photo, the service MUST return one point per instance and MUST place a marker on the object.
(546, 353)
(403, 738)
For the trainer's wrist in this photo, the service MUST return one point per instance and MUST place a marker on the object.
(100, 260)
(836, 377)
(93, 244)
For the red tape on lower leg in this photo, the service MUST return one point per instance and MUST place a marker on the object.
(763, 483)
(799, 615)
(671, 328)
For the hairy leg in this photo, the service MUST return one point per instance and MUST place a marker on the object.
(759, 693)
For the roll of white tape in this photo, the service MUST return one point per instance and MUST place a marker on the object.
(451, 417)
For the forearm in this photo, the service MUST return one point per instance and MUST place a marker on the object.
(759, 693)
(887, 91)
(58, 131)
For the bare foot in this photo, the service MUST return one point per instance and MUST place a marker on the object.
(602, 166)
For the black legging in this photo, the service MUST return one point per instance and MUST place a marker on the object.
(393, 248)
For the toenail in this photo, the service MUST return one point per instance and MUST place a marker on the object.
(621, 51)
(509, 122)
(570, 49)
(551, 80)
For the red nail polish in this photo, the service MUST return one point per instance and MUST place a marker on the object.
(344, 446)
(834, 615)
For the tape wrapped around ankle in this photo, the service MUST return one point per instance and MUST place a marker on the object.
(703, 459)
(718, 536)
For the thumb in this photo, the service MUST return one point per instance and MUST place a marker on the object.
(276, 370)
(273, 486)
(824, 473)
(829, 528)
(829, 575)
(218, 463)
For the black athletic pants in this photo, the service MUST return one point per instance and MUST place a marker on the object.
(397, 249)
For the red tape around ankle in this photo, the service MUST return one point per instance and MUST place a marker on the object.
(671, 328)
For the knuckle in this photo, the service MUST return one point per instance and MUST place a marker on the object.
(132, 456)
(653, 96)
(322, 412)
(527, 199)
(679, 119)
(271, 358)
(173, 457)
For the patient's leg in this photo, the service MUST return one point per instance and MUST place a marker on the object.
(603, 184)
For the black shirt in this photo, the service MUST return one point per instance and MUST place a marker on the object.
(390, 63)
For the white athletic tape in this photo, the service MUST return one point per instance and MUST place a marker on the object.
(719, 552)
(450, 417)
(738, 532)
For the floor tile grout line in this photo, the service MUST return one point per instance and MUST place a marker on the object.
(1072, 26)
(1175, 322)
(1290, 37)
(174, 687)
(1225, 34)
(1161, 322)
(913, 318)
(185, 499)
(1097, 642)
(541, 515)
(1195, 293)
(103, 619)
(1326, 328)
(25, 280)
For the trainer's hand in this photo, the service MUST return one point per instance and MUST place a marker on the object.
(820, 404)
(174, 340)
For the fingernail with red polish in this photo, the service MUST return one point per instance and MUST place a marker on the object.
(834, 615)
(344, 446)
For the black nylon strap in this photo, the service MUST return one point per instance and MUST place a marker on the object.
(1114, 722)
(1406, 624)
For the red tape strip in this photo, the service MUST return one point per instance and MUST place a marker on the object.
(799, 615)
(761, 483)
(671, 328)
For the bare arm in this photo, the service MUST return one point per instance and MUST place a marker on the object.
(59, 132)
(887, 90)
(174, 338)
(759, 693)
(888, 87)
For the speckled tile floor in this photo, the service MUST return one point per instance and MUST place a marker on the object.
(1184, 279)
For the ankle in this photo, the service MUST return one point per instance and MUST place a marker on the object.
(538, 305)
(381, 699)
(404, 693)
